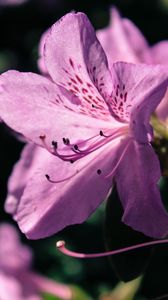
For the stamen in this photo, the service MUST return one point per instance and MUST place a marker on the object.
(85, 147)
(121, 131)
(66, 141)
(61, 247)
(118, 162)
(102, 134)
(75, 147)
(96, 145)
(60, 180)
(99, 171)
(42, 136)
(54, 144)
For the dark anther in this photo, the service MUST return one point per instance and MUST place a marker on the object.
(76, 147)
(42, 136)
(98, 171)
(54, 144)
(93, 106)
(71, 161)
(101, 133)
(47, 176)
(66, 141)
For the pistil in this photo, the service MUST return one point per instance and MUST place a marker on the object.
(61, 247)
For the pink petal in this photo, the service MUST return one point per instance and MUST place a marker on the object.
(137, 42)
(34, 106)
(14, 256)
(76, 60)
(41, 63)
(9, 288)
(138, 89)
(14, 288)
(137, 178)
(123, 41)
(21, 173)
(46, 207)
(159, 52)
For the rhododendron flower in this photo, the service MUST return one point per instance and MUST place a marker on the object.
(17, 281)
(123, 41)
(94, 124)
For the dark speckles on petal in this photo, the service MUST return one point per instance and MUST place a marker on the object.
(125, 97)
(79, 79)
(118, 103)
(84, 91)
(91, 102)
(71, 63)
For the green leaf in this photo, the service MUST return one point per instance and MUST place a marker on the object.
(49, 297)
(124, 291)
(79, 294)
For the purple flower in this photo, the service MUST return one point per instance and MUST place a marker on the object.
(94, 122)
(123, 41)
(17, 281)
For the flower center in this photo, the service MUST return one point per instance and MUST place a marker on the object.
(74, 151)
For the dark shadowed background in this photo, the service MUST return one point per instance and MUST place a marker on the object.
(20, 29)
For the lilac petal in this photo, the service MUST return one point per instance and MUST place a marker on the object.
(138, 89)
(123, 41)
(137, 42)
(40, 108)
(21, 173)
(114, 40)
(41, 62)
(12, 287)
(14, 256)
(9, 288)
(136, 179)
(159, 52)
(75, 59)
(46, 207)
(49, 286)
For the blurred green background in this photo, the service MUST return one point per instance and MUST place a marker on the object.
(20, 29)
